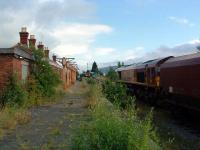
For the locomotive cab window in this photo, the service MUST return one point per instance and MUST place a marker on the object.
(158, 71)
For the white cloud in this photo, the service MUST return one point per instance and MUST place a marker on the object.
(195, 42)
(134, 53)
(40, 17)
(127, 54)
(77, 38)
(104, 51)
(182, 21)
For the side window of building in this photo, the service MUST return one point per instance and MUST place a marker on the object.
(24, 71)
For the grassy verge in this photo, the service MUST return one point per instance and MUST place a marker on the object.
(113, 128)
(11, 116)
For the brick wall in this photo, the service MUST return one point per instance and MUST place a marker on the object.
(9, 65)
(6, 67)
(17, 67)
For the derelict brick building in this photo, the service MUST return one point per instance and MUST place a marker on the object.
(18, 59)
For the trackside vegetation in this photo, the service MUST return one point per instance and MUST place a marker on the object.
(117, 93)
(111, 127)
(44, 75)
(41, 87)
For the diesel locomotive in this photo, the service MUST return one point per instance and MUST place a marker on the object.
(173, 79)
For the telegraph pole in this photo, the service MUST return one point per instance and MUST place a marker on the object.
(87, 66)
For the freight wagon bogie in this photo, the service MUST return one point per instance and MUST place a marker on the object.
(141, 92)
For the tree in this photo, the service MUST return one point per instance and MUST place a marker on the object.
(122, 64)
(119, 64)
(94, 68)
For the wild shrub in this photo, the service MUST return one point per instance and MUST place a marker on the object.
(116, 93)
(34, 92)
(47, 78)
(13, 94)
(112, 75)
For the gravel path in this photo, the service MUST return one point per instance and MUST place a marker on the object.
(50, 126)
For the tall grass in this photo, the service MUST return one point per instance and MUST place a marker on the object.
(10, 117)
(93, 96)
(112, 128)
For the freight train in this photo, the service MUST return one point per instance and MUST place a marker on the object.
(173, 79)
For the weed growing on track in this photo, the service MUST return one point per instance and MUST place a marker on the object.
(112, 128)
(117, 93)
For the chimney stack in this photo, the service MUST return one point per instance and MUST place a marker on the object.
(32, 41)
(46, 52)
(24, 36)
(54, 58)
(40, 46)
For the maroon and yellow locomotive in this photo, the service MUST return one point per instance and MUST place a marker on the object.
(177, 78)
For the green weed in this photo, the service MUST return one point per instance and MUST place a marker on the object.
(112, 128)
(55, 132)
(117, 93)
(13, 94)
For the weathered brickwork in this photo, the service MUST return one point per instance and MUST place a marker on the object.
(17, 67)
(67, 75)
(9, 65)
(6, 66)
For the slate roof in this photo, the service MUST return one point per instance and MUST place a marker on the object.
(18, 50)
(55, 64)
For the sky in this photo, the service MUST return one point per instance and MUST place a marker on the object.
(105, 31)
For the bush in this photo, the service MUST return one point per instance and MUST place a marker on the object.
(34, 93)
(112, 75)
(116, 93)
(42, 71)
(14, 94)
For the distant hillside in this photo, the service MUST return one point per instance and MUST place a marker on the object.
(105, 70)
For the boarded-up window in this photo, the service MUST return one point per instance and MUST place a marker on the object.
(24, 71)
